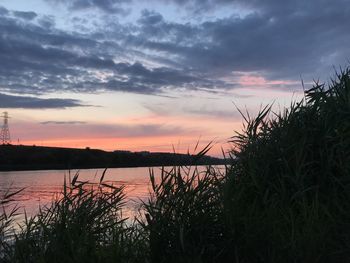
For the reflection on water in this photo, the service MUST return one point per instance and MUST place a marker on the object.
(40, 187)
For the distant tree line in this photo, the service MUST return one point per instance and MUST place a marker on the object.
(13, 157)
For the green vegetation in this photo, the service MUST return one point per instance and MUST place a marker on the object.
(285, 197)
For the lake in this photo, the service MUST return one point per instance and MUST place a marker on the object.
(40, 187)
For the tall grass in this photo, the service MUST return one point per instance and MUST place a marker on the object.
(84, 225)
(285, 197)
(185, 216)
(288, 193)
(8, 214)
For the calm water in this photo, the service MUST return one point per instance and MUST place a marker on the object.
(40, 187)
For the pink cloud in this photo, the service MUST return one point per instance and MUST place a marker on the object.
(250, 80)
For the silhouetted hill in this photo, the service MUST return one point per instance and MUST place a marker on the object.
(13, 157)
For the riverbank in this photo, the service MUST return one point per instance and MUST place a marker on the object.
(24, 158)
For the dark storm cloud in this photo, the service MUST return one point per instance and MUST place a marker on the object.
(23, 102)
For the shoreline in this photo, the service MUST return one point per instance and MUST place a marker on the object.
(39, 158)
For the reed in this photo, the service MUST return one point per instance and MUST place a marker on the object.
(185, 216)
(287, 198)
(84, 224)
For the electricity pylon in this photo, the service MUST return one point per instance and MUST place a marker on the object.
(5, 131)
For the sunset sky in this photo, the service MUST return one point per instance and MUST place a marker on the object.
(150, 75)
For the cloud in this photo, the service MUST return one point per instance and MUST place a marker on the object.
(150, 17)
(275, 41)
(108, 6)
(23, 102)
(62, 122)
(275, 7)
(280, 41)
(25, 15)
(41, 59)
(203, 112)
(63, 129)
(3, 11)
(214, 113)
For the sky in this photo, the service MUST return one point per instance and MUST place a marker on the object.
(159, 75)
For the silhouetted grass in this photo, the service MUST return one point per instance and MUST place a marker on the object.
(85, 224)
(7, 216)
(288, 193)
(185, 216)
(285, 197)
